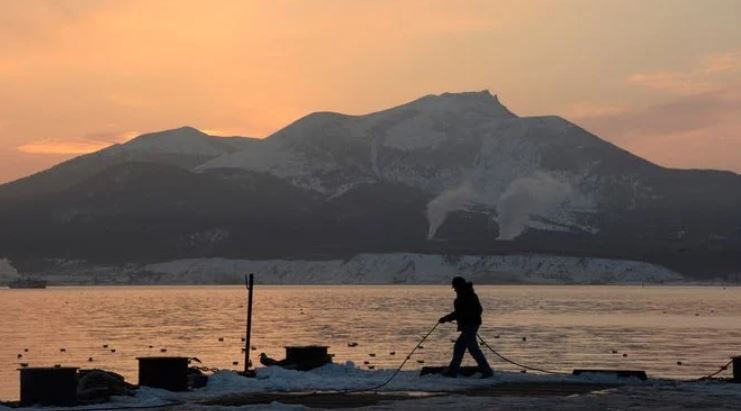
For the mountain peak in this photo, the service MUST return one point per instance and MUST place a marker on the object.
(175, 133)
(482, 102)
(483, 95)
(183, 140)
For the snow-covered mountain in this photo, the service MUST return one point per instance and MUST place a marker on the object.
(456, 173)
(184, 147)
(466, 149)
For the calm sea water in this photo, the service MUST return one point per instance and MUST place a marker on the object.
(565, 327)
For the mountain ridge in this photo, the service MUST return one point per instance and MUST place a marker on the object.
(456, 173)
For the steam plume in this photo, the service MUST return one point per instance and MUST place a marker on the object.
(527, 196)
(454, 199)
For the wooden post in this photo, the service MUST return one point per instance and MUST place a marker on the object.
(250, 285)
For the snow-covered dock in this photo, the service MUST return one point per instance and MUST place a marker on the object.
(329, 387)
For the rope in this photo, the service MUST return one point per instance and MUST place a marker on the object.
(720, 370)
(397, 371)
(485, 344)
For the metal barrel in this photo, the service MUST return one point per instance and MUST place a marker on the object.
(48, 386)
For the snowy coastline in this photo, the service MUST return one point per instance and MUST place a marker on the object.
(397, 268)
(433, 391)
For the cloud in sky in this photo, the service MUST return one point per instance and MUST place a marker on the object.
(75, 145)
(712, 72)
(63, 146)
(687, 132)
(698, 125)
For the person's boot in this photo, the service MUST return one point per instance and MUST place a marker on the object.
(487, 374)
(449, 373)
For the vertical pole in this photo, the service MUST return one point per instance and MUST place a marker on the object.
(250, 285)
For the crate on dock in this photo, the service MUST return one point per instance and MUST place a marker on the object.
(307, 357)
(170, 373)
(305, 353)
(48, 386)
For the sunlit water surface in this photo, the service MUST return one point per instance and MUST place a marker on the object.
(565, 327)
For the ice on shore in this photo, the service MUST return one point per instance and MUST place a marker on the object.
(651, 394)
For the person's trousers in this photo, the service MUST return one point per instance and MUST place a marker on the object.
(467, 340)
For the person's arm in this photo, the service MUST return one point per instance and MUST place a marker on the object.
(447, 318)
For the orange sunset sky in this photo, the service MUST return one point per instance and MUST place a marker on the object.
(659, 78)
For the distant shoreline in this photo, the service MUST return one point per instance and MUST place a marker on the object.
(369, 269)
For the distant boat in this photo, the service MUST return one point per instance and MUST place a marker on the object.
(27, 283)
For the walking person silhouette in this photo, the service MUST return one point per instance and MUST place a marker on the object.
(467, 314)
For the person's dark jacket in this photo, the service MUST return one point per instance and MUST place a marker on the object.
(467, 308)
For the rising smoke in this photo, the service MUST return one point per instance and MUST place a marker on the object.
(458, 198)
(527, 196)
